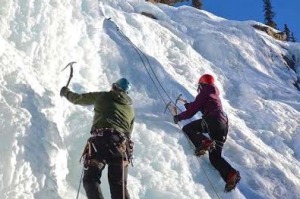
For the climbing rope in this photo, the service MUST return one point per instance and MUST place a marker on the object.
(80, 182)
(123, 177)
(141, 55)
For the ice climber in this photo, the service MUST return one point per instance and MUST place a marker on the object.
(214, 122)
(110, 142)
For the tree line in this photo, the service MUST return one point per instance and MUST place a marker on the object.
(269, 14)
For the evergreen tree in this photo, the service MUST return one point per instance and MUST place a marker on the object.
(269, 14)
(293, 39)
(287, 32)
(197, 4)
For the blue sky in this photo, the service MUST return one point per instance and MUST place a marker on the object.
(287, 12)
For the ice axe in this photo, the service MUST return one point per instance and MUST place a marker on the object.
(172, 108)
(71, 71)
(179, 98)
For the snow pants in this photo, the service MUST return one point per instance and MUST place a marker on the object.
(217, 130)
(105, 151)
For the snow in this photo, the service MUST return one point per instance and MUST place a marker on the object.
(42, 135)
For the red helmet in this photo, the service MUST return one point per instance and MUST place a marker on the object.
(206, 79)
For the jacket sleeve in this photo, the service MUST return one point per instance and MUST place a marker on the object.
(82, 99)
(193, 107)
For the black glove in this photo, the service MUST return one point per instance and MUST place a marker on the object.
(64, 90)
(175, 118)
(186, 105)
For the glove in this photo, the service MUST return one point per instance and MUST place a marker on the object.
(64, 90)
(175, 118)
(186, 105)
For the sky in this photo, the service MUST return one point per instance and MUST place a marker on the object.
(42, 135)
(286, 12)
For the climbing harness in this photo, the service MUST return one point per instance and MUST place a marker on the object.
(118, 140)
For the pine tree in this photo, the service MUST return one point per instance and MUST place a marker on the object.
(197, 4)
(287, 32)
(269, 14)
(293, 39)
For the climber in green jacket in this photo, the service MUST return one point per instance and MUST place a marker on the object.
(110, 142)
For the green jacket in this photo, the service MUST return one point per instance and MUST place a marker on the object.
(113, 109)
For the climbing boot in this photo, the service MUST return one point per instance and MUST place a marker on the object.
(233, 178)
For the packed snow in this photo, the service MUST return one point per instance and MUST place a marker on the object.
(42, 135)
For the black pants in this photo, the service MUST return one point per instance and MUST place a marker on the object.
(217, 131)
(109, 154)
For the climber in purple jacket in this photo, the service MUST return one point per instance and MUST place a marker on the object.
(214, 122)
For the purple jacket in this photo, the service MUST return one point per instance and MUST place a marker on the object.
(207, 101)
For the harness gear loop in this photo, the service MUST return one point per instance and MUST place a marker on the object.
(129, 150)
(87, 153)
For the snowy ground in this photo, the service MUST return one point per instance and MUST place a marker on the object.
(42, 135)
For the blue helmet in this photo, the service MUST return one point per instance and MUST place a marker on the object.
(123, 85)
